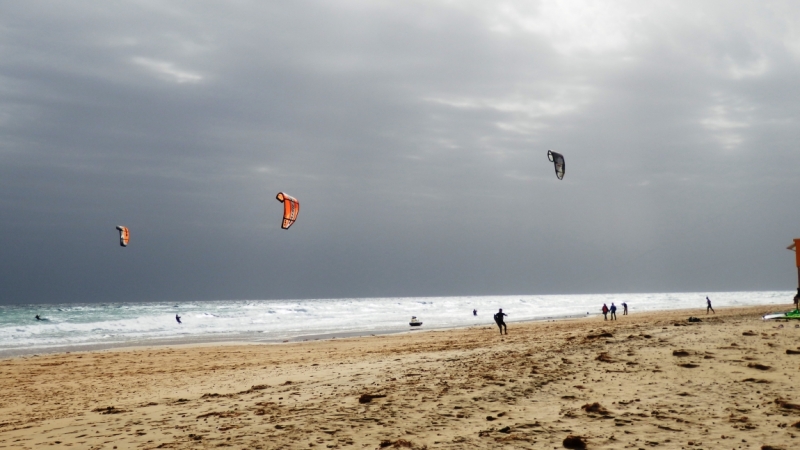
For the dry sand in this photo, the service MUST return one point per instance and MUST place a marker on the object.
(646, 380)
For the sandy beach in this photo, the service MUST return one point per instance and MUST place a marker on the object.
(649, 380)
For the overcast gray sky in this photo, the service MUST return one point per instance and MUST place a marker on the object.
(414, 134)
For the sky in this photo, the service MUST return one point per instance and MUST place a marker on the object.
(414, 135)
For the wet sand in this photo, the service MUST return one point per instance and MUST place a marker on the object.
(647, 380)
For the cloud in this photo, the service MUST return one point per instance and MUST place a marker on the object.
(414, 135)
(167, 70)
(722, 122)
(574, 27)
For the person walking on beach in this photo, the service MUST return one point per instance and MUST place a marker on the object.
(613, 311)
(178, 318)
(624, 309)
(708, 306)
(498, 318)
(605, 312)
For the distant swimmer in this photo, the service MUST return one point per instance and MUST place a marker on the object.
(38, 318)
(498, 318)
(708, 306)
(178, 318)
(474, 312)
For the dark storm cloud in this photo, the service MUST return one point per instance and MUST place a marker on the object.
(415, 137)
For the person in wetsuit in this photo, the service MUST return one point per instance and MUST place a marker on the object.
(178, 318)
(474, 312)
(38, 318)
(498, 318)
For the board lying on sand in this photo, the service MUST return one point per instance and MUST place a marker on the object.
(787, 315)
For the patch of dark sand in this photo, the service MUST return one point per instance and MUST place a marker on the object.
(574, 442)
(366, 398)
(596, 408)
(604, 357)
(109, 410)
(786, 405)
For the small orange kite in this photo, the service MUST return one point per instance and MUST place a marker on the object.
(291, 207)
(124, 235)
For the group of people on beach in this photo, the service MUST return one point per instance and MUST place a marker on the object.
(498, 317)
(613, 310)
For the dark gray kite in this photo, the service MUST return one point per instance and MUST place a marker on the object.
(558, 161)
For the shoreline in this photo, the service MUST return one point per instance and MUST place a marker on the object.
(652, 379)
(232, 339)
(103, 326)
(240, 339)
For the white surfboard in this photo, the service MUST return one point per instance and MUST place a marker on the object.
(774, 316)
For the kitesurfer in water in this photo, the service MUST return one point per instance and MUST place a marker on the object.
(498, 318)
(178, 318)
(38, 318)
(475, 311)
(708, 306)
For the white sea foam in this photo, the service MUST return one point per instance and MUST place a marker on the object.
(274, 320)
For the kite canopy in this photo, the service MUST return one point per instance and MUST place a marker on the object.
(290, 209)
(124, 235)
(558, 161)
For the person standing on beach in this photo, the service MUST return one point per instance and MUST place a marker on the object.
(498, 318)
(613, 311)
(797, 300)
(605, 312)
(708, 306)
(624, 309)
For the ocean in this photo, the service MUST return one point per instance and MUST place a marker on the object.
(72, 327)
